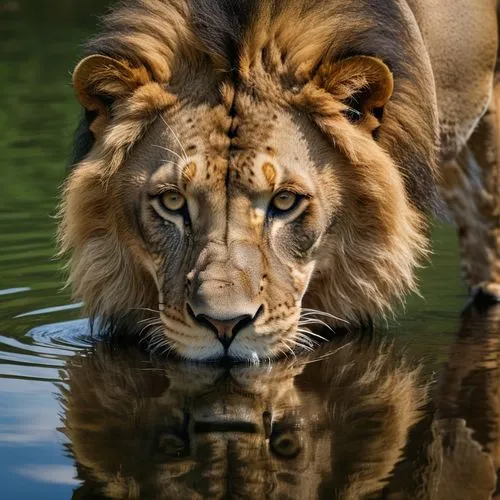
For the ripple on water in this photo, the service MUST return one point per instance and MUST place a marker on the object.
(46, 310)
(42, 353)
(11, 291)
(74, 335)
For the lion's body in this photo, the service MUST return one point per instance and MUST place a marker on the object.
(462, 43)
(462, 46)
(347, 109)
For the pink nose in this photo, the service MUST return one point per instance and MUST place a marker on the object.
(227, 329)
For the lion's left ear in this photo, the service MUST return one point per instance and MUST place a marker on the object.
(363, 83)
(101, 80)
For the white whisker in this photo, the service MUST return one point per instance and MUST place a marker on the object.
(328, 354)
(312, 321)
(285, 343)
(302, 341)
(305, 347)
(145, 309)
(166, 348)
(145, 327)
(154, 346)
(169, 150)
(318, 336)
(311, 312)
(309, 333)
(176, 138)
(304, 335)
(312, 333)
(153, 320)
(293, 353)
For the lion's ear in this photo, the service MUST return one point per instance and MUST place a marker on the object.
(363, 83)
(101, 80)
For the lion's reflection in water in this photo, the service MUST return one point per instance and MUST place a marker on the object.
(351, 421)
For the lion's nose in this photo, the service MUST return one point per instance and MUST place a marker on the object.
(225, 329)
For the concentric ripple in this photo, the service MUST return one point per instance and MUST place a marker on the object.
(43, 351)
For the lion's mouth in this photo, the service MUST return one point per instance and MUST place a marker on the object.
(255, 340)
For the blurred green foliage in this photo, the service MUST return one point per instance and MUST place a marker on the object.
(40, 44)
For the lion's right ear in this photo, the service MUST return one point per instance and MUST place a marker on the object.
(364, 84)
(101, 80)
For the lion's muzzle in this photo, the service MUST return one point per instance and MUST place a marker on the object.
(224, 288)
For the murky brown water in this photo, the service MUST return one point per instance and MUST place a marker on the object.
(410, 413)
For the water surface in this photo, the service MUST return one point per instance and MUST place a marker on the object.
(84, 419)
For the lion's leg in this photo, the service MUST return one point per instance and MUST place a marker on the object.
(471, 187)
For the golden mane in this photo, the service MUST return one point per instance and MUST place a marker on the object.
(175, 38)
(298, 55)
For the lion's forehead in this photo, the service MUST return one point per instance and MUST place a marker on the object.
(251, 172)
(205, 148)
(241, 123)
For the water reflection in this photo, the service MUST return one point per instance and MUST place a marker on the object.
(453, 452)
(354, 420)
(332, 423)
(468, 408)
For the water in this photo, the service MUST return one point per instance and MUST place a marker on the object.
(84, 419)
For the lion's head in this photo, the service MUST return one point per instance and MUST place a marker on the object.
(236, 169)
(313, 427)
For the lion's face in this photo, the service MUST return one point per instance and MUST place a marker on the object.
(213, 205)
(230, 237)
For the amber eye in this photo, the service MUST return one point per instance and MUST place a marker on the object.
(173, 200)
(284, 200)
(285, 445)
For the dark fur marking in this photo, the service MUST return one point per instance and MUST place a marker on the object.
(221, 25)
(84, 138)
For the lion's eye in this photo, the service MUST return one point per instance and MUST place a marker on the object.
(285, 445)
(284, 200)
(173, 200)
(173, 445)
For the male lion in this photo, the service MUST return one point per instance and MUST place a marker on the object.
(239, 160)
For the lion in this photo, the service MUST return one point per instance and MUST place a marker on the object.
(246, 170)
(314, 426)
